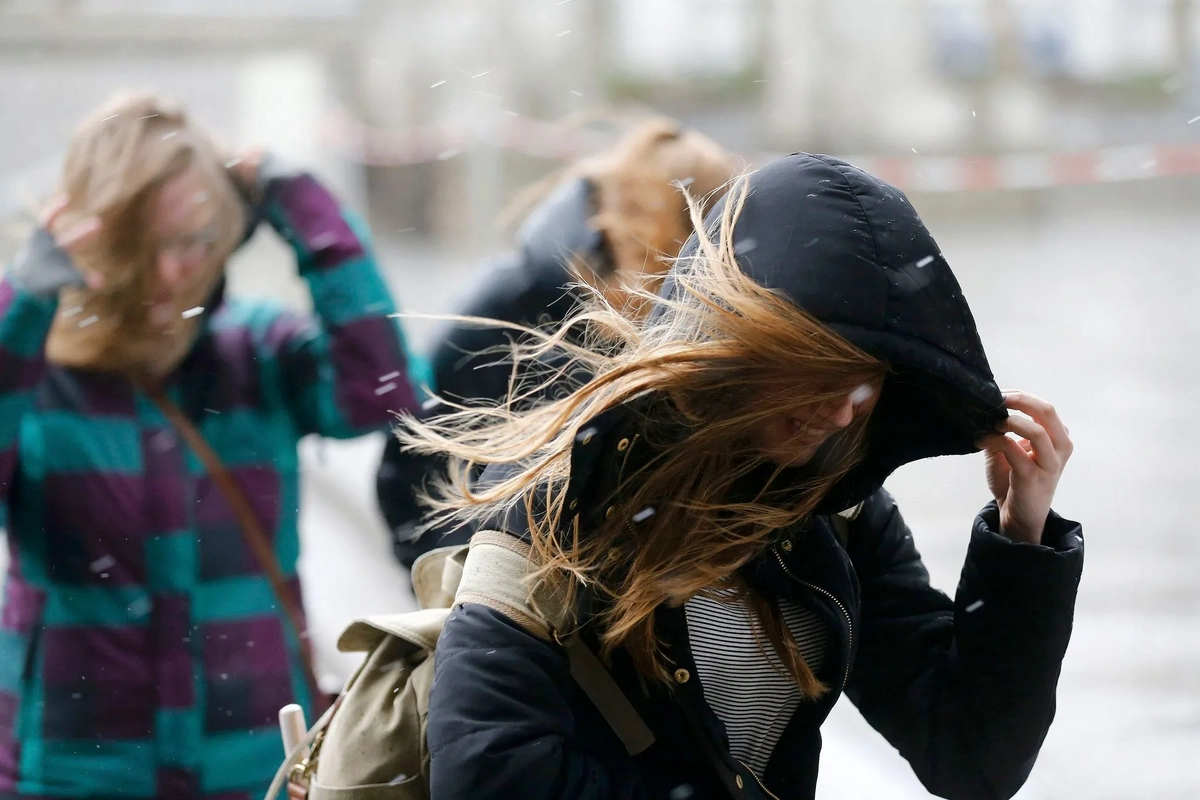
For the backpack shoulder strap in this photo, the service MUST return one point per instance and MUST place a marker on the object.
(497, 575)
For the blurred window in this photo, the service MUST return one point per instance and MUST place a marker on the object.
(666, 40)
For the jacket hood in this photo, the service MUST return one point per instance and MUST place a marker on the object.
(849, 249)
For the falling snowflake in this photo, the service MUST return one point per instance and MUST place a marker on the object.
(861, 395)
(391, 376)
(387, 387)
(971, 609)
(683, 791)
(645, 514)
(193, 312)
(102, 564)
(92, 320)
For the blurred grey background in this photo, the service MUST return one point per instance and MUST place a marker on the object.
(1053, 147)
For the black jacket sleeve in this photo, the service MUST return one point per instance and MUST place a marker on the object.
(470, 365)
(470, 361)
(500, 723)
(964, 689)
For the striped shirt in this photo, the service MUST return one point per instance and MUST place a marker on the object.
(744, 681)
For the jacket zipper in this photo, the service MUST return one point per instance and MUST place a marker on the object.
(838, 603)
(757, 780)
(625, 460)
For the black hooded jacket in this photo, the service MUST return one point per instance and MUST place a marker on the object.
(530, 287)
(963, 688)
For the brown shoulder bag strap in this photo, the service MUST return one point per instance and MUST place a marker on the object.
(252, 531)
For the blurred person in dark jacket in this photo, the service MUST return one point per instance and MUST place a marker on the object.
(613, 221)
(709, 506)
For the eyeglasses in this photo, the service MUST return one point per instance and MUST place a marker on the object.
(200, 244)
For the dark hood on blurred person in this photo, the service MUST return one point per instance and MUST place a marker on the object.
(559, 230)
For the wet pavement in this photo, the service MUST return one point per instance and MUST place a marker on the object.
(1088, 297)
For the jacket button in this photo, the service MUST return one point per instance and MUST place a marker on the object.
(786, 544)
(741, 784)
(623, 445)
(682, 676)
(608, 512)
(574, 504)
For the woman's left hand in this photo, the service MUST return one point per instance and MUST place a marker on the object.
(1023, 470)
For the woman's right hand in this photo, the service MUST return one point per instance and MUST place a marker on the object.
(46, 263)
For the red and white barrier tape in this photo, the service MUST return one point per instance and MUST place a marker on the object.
(1035, 170)
(562, 142)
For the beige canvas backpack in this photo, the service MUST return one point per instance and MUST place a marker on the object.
(371, 744)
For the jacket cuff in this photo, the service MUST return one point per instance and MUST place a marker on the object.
(1020, 573)
(42, 268)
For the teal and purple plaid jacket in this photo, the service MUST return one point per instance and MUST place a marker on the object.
(141, 650)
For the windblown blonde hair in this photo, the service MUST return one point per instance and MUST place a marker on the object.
(721, 356)
(117, 160)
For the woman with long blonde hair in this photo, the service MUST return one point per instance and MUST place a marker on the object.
(709, 503)
(146, 640)
(613, 222)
